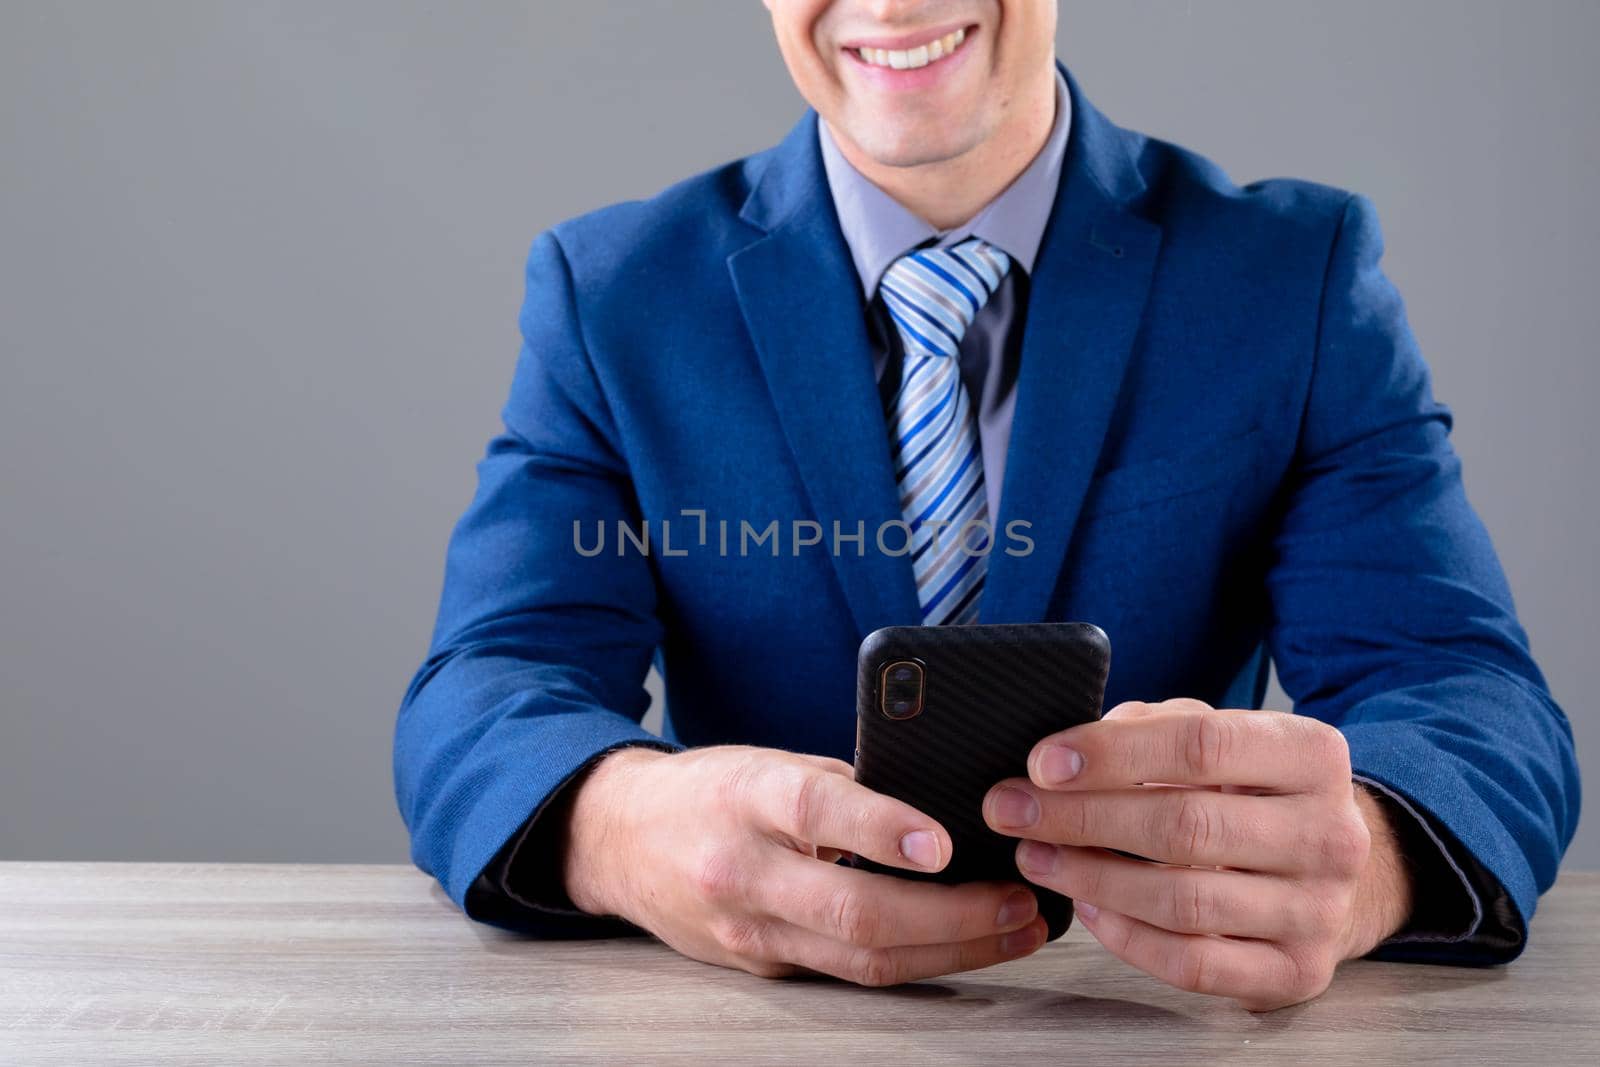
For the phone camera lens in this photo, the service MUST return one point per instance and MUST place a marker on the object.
(900, 689)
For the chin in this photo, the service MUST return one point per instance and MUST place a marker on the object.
(914, 146)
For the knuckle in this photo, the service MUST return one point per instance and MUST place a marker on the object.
(1194, 905)
(1326, 748)
(851, 918)
(1306, 977)
(966, 920)
(743, 936)
(1072, 816)
(718, 876)
(734, 787)
(1194, 967)
(1118, 939)
(1317, 916)
(805, 804)
(868, 825)
(1086, 880)
(1332, 745)
(1345, 844)
(1208, 741)
(834, 765)
(1302, 918)
(876, 967)
(1128, 709)
(1194, 823)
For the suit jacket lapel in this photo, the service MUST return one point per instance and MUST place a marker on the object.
(801, 300)
(1086, 300)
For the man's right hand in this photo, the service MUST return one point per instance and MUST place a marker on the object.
(727, 854)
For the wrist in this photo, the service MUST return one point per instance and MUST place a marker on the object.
(596, 832)
(1385, 891)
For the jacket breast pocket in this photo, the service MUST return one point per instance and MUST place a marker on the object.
(1150, 481)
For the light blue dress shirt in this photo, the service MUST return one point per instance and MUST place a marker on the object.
(879, 230)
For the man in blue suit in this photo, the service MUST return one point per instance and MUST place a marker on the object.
(956, 297)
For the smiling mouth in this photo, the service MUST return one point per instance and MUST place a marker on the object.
(912, 58)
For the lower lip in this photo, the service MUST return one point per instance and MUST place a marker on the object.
(918, 78)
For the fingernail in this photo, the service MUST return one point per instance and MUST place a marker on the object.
(1036, 857)
(1019, 941)
(1014, 808)
(1085, 909)
(1058, 763)
(1019, 907)
(921, 848)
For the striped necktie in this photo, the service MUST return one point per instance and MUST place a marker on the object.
(933, 294)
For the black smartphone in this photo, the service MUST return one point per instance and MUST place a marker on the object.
(945, 712)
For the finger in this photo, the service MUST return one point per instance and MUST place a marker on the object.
(880, 910)
(1258, 974)
(1198, 827)
(829, 764)
(816, 807)
(886, 966)
(1260, 749)
(821, 852)
(1138, 709)
(1185, 900)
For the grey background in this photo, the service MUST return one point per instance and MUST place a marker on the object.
(261, 265)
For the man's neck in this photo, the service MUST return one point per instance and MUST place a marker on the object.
(950, 192)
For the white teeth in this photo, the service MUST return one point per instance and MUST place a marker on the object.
(913, 58)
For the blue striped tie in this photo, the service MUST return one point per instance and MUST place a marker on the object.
(933, 294)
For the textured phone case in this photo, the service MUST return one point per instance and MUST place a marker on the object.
(990, 694)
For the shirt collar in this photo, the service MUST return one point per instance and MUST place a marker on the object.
(879, 229)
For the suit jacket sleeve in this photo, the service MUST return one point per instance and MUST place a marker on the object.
(539, 653)
(1392, 619)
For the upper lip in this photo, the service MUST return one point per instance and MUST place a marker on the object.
(905, 41)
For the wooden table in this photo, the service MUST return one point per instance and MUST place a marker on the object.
(172, 964)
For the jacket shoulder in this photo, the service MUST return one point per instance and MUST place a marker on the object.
(691, 223)
(1193, 196)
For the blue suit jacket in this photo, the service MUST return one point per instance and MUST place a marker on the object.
(1225, 442)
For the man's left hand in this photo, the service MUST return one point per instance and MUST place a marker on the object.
(1273, 866)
